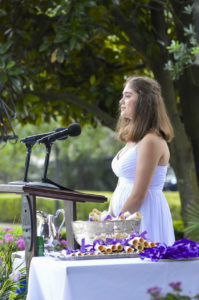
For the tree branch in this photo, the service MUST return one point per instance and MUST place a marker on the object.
(124, 24)
(70, 98)
(158, 26)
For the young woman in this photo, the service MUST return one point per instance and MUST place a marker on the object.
(141, 165)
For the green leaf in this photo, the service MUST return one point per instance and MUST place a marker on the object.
(15, 71)
(92, 79)
(16, 84)
(188, 9)
(72, 43)
(189, 30)
(60, 55)
(10, 64)
(5, 47)
(44, 46)
(31, 98)
(195, 50)
(3, 78)
(5, 93)
(60, 37)
(2, 63)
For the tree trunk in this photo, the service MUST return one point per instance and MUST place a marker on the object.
(188, 88)
(182, 158)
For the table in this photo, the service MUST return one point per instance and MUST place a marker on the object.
(105, 279)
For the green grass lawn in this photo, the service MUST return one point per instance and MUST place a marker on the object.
(173, 199)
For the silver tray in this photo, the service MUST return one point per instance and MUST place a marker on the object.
(92, 257)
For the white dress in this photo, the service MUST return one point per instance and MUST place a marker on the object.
(156, 214)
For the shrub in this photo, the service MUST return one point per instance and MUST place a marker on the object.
(10, 207)
(178, 229)
(174, 204)
(9, 239)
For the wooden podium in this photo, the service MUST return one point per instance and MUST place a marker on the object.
(28, 211)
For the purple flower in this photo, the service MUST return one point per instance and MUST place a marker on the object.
(63, 242)
(7, 234)
(20, 244)
(8, 238)
(1, 242)
(154, 292)
(7, 228)
(176, 286)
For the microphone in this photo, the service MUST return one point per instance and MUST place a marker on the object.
(34, 138)
(72, 130)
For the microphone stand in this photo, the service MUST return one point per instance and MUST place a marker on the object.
(27, 162)
(29, 146)
(46, 181)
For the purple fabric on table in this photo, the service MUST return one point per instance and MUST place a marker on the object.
(181, 249)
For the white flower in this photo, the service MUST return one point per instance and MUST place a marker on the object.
(15, 276)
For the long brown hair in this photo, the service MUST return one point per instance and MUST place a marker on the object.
(149, 112)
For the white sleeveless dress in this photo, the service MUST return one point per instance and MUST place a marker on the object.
(156, 214)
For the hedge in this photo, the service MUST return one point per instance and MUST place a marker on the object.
(10, 208)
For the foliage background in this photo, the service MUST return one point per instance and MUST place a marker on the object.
(68, 59)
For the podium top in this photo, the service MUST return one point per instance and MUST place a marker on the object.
(52, 193)
(11, 188)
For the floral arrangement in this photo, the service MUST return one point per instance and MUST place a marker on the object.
(10, 237)
(12, 282)
(61, 244)
(176, 294)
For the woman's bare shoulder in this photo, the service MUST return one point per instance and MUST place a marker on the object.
(152, 139)
(154, 145)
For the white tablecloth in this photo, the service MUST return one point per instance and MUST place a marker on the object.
(106, 279)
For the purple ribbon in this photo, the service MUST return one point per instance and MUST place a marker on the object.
(181, 249)
(108, 218)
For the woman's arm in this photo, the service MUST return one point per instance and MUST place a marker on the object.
(149, 153)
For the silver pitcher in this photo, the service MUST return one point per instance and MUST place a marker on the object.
(46, 226)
